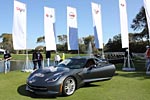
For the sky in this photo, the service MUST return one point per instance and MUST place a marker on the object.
(35, 17)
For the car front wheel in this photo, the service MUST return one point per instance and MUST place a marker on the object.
(69, 86)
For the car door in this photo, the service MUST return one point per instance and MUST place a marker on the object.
(98, 71)
(104, 69)
(90, 72)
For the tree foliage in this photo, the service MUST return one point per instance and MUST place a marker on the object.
(7, 42)
(139, 23)
(40, 39)
(114, 45)
(62, 39)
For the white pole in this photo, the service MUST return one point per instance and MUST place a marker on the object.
(27, 59)
(103, 55)
(48, 60)
(129, 59)
(43, 63)
(128, 67)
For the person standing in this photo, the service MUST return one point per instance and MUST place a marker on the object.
(147, 56)
(48, 56)
(63, 56)
(7, 57)
(57, 58)
(34, 60)
(39, 59)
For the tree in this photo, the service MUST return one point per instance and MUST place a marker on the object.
(140, 23)
(114, 45)
(7, 42)
(40, 39)
(87, 40)
(62, 39)
(62, 46)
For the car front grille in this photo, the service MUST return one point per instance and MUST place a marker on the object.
(37, 88)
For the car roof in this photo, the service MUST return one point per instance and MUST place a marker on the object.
(87, 58)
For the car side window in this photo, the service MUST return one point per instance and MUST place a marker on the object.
(89, 63)
(100, 63)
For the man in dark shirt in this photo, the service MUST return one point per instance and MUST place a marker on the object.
(34, 59)
(7, 57)
(39, 59)
(48, 56)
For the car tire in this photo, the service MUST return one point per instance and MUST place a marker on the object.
(69, 86)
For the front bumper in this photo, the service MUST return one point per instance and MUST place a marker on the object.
(45, 90)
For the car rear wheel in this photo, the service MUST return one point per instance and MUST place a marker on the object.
(69, 86)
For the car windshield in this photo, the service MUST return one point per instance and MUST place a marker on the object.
(72, 63)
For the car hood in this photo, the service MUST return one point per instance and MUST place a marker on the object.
(40, 75)
(52, 70)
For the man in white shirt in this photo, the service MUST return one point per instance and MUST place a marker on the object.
(57, 59)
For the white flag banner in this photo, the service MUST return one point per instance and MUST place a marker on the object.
(124, 24)
(97, 24)
(19, 26)
(72, 30)
(147, 10)
(49, 28)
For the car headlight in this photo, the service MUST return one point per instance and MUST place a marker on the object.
(53, 78)
(33, 76)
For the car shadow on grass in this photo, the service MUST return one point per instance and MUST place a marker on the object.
(22, 91)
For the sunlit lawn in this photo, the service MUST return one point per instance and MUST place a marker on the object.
(123, 86)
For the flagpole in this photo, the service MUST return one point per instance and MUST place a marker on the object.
(19, 30)
(97, 25)
(78, 51)
(128, 63)
(103, 55)
(72, 29)
(27, 58)
(147, 11)
(125, 35)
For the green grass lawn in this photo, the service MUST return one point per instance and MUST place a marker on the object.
(123, 86)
